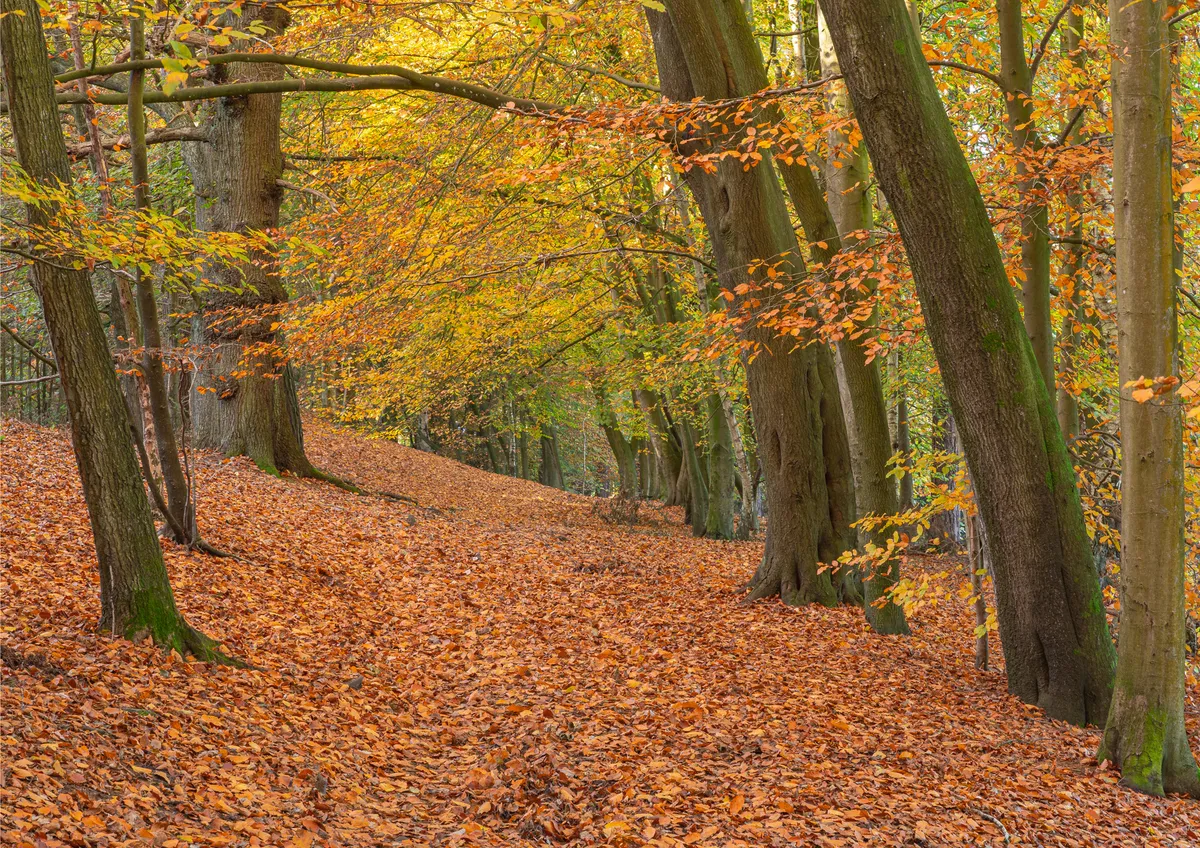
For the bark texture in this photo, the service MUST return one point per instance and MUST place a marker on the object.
(847, 179)
(244, 400)
(1145, 734)
(1035, 228)
(135, 594)
(1058, 653)
(705, 48)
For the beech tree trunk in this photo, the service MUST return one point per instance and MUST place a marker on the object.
(1075, 316)
(664, 443)
(135, 594)
(1145, 734)
(550, 472)
(1035, 227)
(718, 522)
(181, 519)
(847, 178)
(705, 48)
(1058, 653)
(244, 399)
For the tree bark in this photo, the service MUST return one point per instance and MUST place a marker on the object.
(663, 441)
(181, 519)
(244, 399)
(550, 472)
(705, 48)
(1053, 626)
(718, 523)
(135, 593)
(1035, 227)
(1074, 317)
(1145, 734)
(847, 179)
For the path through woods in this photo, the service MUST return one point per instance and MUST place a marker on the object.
(503, 669)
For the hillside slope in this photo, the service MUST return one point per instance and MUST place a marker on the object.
(503, 669)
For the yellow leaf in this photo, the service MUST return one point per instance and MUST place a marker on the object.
(1143, 395)
(1190, 186)
(736, 804)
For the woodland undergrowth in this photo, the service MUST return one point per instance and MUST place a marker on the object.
(497, 665)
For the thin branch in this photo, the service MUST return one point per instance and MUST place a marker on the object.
(1065, 133)
(600, 72)
(32, 258)
(367, 77)
(164, 136)
(570, 345)
(1041, 48)
(1183, 16)
(305, 190)
(1099, 248)
(48, 377)
(970, 69)
(29, 347)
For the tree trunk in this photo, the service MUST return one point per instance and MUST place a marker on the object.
(523, 454)
(550, 473)
(718, 523)
(747, 523)
(975, 562)
(899, 427)
(1053, 627)
(1075, 316)
(696, 506)
(181, 519)
(706, 49)
(663, 441)
(243, 399)
(847, 178)
(1035, 227)
(944, 526)
(1145, 735)
(135, 594)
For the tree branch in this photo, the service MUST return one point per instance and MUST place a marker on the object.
(29, 347)
(1041, 48)
(368, 77)
(600, 72)
(305, 190)
(970, 69)
(31, 380)
(163, 136)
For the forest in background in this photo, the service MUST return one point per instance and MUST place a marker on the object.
(866, 282)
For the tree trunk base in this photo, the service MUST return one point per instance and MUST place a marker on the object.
(796, 583)
(1150, 747)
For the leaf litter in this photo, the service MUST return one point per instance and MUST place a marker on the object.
(498, 666)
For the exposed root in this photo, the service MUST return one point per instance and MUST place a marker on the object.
(392, 496)
(204, 547)
(318, 474)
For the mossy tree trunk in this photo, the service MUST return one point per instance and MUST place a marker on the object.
(847, 177)
(718, 521)
(1145, 734)
(1058, 653)
(664, 442)
(135, 594)
(705, 48)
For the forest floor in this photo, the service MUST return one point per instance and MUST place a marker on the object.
(500, 668)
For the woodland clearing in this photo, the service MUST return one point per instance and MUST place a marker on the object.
(500, 667)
